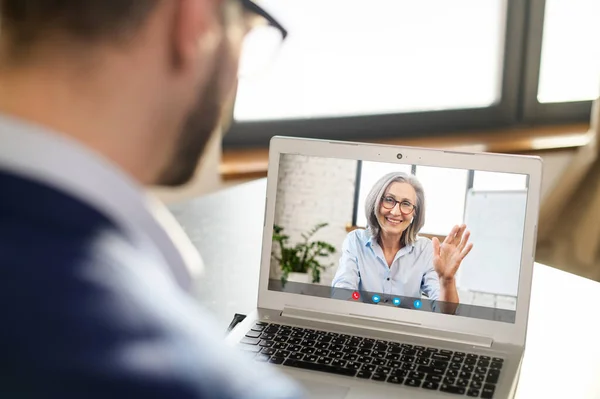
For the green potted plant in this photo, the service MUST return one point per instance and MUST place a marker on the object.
(304, 257)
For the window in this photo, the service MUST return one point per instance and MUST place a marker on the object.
(570, 65)
(352, 69)
(445, 189)
(350, 57)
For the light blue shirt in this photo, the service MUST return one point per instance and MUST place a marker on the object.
(363, 267)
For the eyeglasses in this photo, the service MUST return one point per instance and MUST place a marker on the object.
(406, 208)
(262, 43)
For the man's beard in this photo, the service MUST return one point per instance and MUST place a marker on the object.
(200, 125)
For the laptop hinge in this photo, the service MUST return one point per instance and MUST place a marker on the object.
(386, 325)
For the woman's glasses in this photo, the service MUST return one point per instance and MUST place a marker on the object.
(406, 208)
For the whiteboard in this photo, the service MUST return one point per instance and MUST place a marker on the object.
(496, 220)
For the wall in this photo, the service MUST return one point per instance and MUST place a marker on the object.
(315, 190)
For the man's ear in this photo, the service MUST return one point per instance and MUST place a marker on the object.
(195, 33)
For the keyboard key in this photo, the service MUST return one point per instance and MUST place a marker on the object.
(262, 323)
(322, 352)
(454, 366)
(497, 359)
(280, 345)
(319, 367)
(416, 375)
(282, 353)
(364, 374)
(492, 376)
(249, 348)
(472, 356)
(440, 356)
(350, 356)
(430, 370)
(485, 357)
(364, 351)
(487, 392)
(470, 361)
(468, 368)
(409, 352)
(478, 377)
(446, 352)
(339, 363)
(294, 341)
(392, 356)
(408, 359)
(423, 354)
(296, 356)
(395, 364)
(311, 358)
(406, 346)
(324, 360)
(419, 348)
(465, 375)
(353, 365)
(483, 363)
(461, 382)
(432, 350)
(409, 366)
(439, 364)
(250, 341)
(411, 382)
(308, 350)
(473, 393)
(476, 385)
(276, 360)
(379, 362)
(267, 351)
(452, 373)
(336, 355)
(430, 385)
(496, 365)
(449, 380)
(458, 359)
(399, 373)
(258, 327)
(433, 378)
(383, 370)
(452, 389)
(294, 348)
(321, 345)
(364, 359)
(378, 377)
(378, 354)
(369, 367)
(392, 379)
(422, 361)
(481, 370)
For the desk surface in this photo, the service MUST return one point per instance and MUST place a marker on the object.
(562, 358)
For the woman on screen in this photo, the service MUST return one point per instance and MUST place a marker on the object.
(389, 257)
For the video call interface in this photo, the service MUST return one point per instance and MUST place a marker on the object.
(423, 238)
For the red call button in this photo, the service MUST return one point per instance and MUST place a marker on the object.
(355, 295)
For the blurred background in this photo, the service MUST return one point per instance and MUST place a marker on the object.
(510, 76)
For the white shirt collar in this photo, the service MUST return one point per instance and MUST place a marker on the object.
(37, 153)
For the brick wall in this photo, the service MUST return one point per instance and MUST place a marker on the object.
(315, 190)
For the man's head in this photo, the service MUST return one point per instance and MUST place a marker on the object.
(162, 70)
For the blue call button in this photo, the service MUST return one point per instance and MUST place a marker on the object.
(417, 304)
(376, 298)
(396, 301)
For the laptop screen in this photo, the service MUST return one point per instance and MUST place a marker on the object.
(423, 238)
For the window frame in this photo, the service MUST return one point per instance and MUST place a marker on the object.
(533, 110)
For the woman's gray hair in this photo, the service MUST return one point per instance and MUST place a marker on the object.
(373, 204)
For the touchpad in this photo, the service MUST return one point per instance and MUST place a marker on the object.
(320, 390)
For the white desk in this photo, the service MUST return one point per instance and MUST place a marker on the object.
(562, 358)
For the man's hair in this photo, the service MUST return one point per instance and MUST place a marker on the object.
(25, 23)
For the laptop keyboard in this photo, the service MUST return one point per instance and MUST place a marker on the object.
(378, 360)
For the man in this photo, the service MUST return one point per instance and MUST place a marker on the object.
(98, 99)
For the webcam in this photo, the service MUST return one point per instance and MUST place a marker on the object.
(399, 156)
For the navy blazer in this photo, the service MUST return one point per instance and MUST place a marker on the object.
(86, 314)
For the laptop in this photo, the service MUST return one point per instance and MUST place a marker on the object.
(394, 271)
